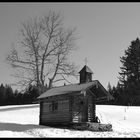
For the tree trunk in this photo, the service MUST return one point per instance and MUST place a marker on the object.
(50, 83)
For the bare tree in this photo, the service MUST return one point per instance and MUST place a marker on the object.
(43, 51)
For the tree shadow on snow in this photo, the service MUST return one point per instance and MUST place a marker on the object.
(19, 127)
(25, 127)
(19, 107)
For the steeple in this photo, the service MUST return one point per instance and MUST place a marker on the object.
(85, 74)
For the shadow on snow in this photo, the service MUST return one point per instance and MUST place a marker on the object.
(19, 127)
(18, 108)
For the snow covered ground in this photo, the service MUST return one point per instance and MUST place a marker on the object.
(22, 121)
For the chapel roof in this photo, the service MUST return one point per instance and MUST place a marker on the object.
(73, 88)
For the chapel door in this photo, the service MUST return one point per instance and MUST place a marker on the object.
(78, 108)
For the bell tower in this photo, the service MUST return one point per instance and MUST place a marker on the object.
(85, 75)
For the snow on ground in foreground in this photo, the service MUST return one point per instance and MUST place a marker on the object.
(23, 120)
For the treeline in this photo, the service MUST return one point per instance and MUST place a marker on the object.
(10, 97)
(123, 96)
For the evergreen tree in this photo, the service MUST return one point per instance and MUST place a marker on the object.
(2, 94)
(9, 95)
(34, 93)
(130, 72)
(109, 88)
(19, 98)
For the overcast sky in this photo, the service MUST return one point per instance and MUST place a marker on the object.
(105, 30)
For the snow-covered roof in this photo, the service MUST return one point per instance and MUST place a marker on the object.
(70, 89)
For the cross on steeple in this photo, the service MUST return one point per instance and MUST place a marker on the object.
(86, 61)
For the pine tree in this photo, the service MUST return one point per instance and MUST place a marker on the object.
(130, 70)
(9, 95)
(109, 88)
(2, 94)
(33, 93)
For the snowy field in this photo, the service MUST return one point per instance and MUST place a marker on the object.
(22, 121)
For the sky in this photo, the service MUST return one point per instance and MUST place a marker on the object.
(104, 30)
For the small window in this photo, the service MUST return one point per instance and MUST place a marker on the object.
(81, 102)
(54, 106)
(50, 107)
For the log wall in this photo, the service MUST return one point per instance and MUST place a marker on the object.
(62, 114)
